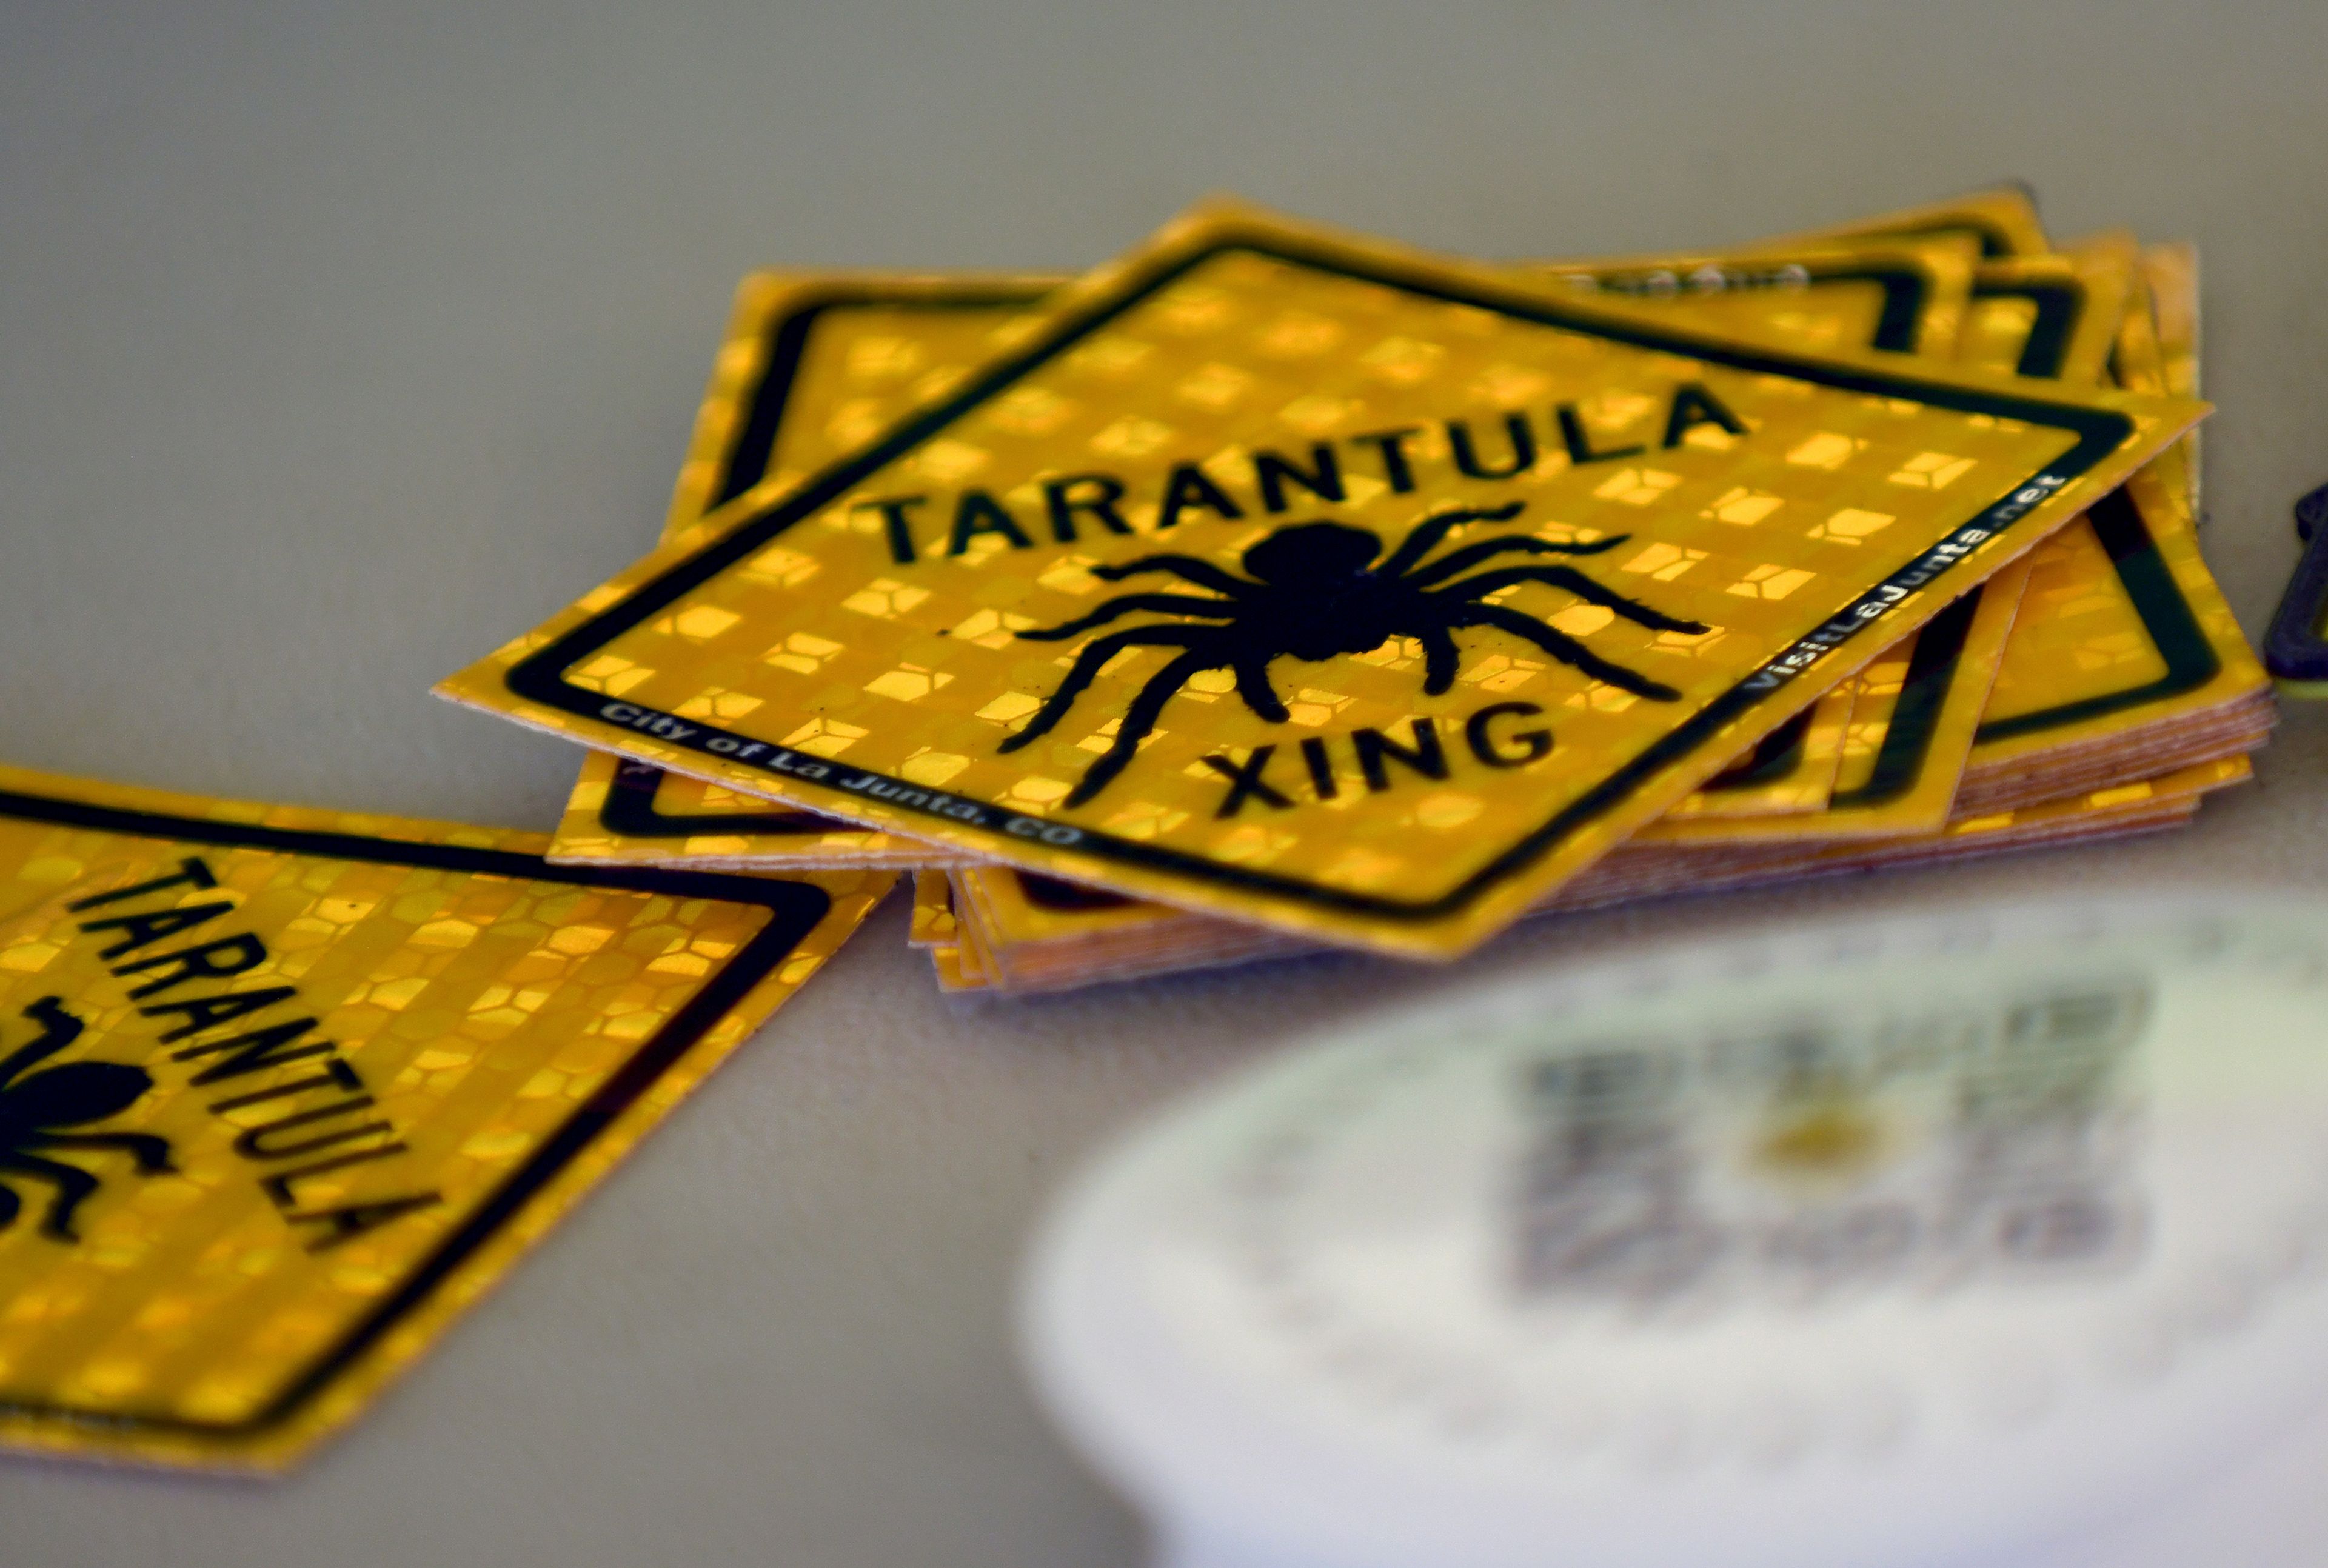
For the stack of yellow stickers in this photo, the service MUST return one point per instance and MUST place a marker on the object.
(1272, 587)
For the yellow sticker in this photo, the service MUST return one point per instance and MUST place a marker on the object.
(956, 971)
(2171, 272)
(2055, 317)
(1902, 296)
(2123, 627)
(2140, 363)
(282, 1090)
(965, 962)
(933, 922)
(810, 364)
(2001, 222)
(1790, 773)
(1299, 412)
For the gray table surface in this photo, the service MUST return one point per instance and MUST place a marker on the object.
(336, 343)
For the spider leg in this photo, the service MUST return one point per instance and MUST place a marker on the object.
(1124, 603)
(1575, 582)
(59, 1028)
(152, 1153)
(1087, 665)
(1253, 685)
(1432, 529)
(1439, 659)
(1186, 567)
(1565, 649)
(72, 1186)
(1138, 720)
(1471, 555)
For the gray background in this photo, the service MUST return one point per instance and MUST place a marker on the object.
(336, 346)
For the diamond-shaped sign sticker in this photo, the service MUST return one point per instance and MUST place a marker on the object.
(1315, 582)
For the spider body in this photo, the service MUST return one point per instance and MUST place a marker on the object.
(36, 1107)
(1320, 598)
(1314, 592)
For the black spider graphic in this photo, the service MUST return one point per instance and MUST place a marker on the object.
(1320, 595)
(33, 1104)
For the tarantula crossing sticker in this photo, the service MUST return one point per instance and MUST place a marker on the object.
(813, 363)
(1314, 583)
(281, 1091)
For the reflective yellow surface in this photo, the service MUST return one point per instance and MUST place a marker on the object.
(282, 1090)
(1237, 378)
(837, 355)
